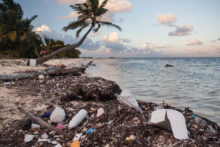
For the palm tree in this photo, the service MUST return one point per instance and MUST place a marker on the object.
(15, 32)
(89, 15)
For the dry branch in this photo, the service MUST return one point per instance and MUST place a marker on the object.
(40, 122)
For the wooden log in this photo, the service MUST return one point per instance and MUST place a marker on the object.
(40, 122)
(76, 71)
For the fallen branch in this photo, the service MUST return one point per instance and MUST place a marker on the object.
(41, 122)
(75, 71)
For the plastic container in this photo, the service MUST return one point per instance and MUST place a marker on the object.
(78, 118)
(58, 115)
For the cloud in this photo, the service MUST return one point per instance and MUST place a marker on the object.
(148, 45)
(181, 30)
(167, 19)
(114, 6)
(112, 37)
(42, 28)
(71, 15)
(194, 42)
(115, 47)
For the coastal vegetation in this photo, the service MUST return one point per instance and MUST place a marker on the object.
(18, 40)
(89, 15)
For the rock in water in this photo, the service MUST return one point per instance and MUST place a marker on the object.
(58, 115)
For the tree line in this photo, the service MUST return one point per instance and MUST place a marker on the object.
(17, 38)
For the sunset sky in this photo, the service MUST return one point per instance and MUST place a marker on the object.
(150, 28)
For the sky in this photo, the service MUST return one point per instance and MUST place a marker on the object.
(150, 28)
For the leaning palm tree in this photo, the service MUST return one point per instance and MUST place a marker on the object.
(89, 15)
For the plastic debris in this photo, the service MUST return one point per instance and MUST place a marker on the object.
(54, 142)
(41, 77)
(193, 115)
(78, 118)
(28, 137)
(168, 118)
(7, 83)
(75, 143)
(44, 136)
(100, 111)
(33, 62)
(91, 130)
(77, 136)
(46, 114)
(58, 145)
(93, 109)
(126, 97)
(27, 124)
(58, 115)
(43, 140)
(128, 139)
(132, 137)
(60, 126)
(35, 126)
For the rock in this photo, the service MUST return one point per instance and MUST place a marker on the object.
(58, 115)
(28, 137)
(44, 136)
(35, 126)
(100, 111)
(169, 65)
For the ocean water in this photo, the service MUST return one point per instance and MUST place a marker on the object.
(192, 82)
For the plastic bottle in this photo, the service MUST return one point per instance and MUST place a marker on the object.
(78, 118)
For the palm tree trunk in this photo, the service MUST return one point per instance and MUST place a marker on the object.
(47, 57)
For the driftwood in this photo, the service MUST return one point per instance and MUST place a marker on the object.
(41, 122)
(76, 71)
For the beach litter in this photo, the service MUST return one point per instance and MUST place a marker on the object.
(27, 124)
(119, 120)
(58, 115)
(170, 119)
(126, 97)
(46, 114)
(78, 118)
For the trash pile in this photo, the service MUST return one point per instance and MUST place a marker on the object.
(67, 88)
(119, 122)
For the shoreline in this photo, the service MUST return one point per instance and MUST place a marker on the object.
(34, 101)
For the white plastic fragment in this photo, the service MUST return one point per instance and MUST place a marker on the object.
(58, 115)
(28, 137)
(78, 118)
(41, 77)
(58, 145)
(100, 111)
(35, 126)
(33, 62)
(43, 140)
(171, 119)
(54, 142)
(126, 97)
(44, 136)
(77, 136)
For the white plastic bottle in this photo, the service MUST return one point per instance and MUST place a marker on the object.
(78, 118)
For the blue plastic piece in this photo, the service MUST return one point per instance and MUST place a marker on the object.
(91, 130)
(46, 114)
(193, 115)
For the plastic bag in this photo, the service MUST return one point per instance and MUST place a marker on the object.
(126, 97)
